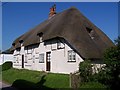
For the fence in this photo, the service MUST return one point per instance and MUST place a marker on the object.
(75, 80)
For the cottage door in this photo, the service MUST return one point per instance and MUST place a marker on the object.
(48, 59)
(22, 61)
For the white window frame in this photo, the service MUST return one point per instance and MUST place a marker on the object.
(41, 40)
(54, 46)
(17, 51)
(71, 56)
(25, 58)
(33, 58)
(29, 50)
(17, 60)
(41, 58)
(60, 45)
(14, 59)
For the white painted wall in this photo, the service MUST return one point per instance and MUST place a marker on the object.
(5, 57)
(60, 62)
(59, 58)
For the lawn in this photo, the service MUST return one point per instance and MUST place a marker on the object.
(28, 78)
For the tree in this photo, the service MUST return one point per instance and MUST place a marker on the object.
(112, 61)
(109, 75)
(117, 41)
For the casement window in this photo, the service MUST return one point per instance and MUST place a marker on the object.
(25, 58)
(17, 60)
(71, 56)
(14, 60)
(41, 58)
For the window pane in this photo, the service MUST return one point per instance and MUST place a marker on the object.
(41, 58)
(74, 57)
(14, 59)
(59, 45)
(71, 55)
(33, 58)
(25, 59)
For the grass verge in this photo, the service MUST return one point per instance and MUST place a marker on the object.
(27, 77)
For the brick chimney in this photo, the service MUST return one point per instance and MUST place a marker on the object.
(52, 11)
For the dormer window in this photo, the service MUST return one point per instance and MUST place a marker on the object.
(17, 52)
(29, 50)
(13, 44)
(60, 45)
(17, 49)
(21, 42)
(40, 36)
(40, 39)
(90, 32)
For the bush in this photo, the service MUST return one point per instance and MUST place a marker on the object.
(93, 85)
(103, 77)
(6, 65)
(85, 69)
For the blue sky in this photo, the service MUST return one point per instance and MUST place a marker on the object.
(20, 17)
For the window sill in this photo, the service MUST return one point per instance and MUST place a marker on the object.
(41, 62)
(71, 61)
(61, 48)
(29, 53)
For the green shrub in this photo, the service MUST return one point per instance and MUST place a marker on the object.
(103, 77)
(6, 65)
(93, 85)
(85, 69)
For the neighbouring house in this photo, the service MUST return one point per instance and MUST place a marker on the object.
(60, 43)
(6, 56)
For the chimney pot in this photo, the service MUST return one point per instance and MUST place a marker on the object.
(52, 11)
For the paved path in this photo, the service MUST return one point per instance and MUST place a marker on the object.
(5, 86)
(2, 85)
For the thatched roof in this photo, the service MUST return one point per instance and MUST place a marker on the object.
(72, 26)
(8, 51)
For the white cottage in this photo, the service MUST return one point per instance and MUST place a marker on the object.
(60, 43)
